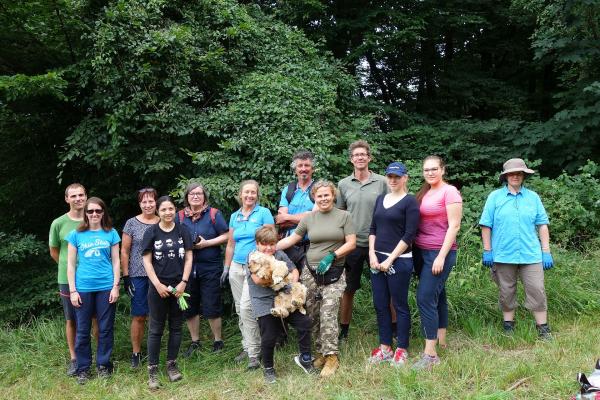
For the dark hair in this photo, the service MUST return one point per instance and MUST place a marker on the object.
(426, 186)
(162, 199)
(105, 222)
(74, 186)
(359, 144)
(191, 186)
(302, 154)
(266, 235)
(147, 191)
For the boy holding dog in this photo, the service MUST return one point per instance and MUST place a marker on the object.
(262, 297)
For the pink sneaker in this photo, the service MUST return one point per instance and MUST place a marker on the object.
(399, 358)
(379, 355)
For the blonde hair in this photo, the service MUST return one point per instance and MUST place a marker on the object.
(248, 182)
(321, 184)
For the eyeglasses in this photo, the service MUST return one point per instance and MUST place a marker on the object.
(429, 170)
(360, 155)
(94, 211)
(195, 194)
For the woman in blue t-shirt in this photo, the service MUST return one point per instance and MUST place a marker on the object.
(93, 274)
(242, 228)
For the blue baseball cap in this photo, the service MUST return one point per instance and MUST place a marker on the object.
(396, 168)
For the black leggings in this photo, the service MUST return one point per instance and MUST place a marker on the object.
(161, 310)
(270, 329)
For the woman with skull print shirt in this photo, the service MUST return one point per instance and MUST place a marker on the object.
(168, 263)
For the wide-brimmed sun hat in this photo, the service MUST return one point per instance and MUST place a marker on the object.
(515, 165)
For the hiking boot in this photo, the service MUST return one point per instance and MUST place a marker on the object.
(269, 374)
(104, 372)
(508, 327)
(399, 358)
(72, 368)
(331, 365)
(218, 345)
(173, 372)
(426, 362)
(136, 360)
(193, 347)
(306, 365)
(153, 382)
(253, 363)
(319, 361)
(83, 377)
(544, 332)
(241, 357)
(380, 355)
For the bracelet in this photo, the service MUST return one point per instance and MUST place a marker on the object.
(73, 291)
(184, 281)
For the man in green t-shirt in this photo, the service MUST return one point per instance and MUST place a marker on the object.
(75, 197)
(357, 194)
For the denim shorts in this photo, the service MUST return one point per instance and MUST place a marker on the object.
(139, 301)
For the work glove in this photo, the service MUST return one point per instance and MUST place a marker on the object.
(325, 263)
(224, 275)
(487, 258)
(128, 285)
(547, 261)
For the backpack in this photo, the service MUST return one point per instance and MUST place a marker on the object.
(212, 211)
(291, 189)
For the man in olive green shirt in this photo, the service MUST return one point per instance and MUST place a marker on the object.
(357, 194)
(75, 197)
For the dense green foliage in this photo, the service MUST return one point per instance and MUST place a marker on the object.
(121, 94)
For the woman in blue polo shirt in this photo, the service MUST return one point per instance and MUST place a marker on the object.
(242, 228)
(512, 220)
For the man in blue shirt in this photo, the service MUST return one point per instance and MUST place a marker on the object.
(296, 202)
(513, 217)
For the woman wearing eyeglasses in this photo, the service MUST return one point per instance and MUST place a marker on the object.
(209, 231)
(93, 274)
(434, 253)
(135, 278)
(241, 241)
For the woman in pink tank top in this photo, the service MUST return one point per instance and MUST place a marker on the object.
(434, 254)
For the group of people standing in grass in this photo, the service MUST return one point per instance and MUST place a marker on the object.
(326, 233)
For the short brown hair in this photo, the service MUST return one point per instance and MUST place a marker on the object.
(266, 235)
(74, 186)
(359, 144)
(320, 184)
(147, 191)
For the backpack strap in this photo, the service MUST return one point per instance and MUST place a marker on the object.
(291, 189)
(181, 216)
(213, 215)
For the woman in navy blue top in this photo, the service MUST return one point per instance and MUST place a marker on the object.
(393, 229)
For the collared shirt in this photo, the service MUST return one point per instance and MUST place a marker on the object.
(300, 202)
(244, 230)
(513, 219)
(359, 199)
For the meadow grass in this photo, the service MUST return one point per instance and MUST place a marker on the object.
(480, 362)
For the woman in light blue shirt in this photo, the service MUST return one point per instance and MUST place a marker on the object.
(242, 228)
(516, 244)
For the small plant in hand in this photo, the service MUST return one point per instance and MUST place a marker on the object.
(183, 304)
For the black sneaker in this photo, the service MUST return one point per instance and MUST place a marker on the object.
(104, 372)
(136, 360)
(544, 332)
(307, 366)
(173, 372)
(218, 345)
(343, 336)
(269, 374)
(72, 368)
(508, 327)
(194, 346)
(83, 377)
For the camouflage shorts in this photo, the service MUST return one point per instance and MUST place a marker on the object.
(324, 311)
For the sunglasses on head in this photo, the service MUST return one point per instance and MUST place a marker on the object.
(146, 190)
(94, 211)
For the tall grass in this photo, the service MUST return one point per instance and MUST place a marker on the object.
(480, 363)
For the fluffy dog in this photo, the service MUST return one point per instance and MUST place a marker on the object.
(276, 273)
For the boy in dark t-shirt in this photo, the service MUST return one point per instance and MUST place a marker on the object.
(262, 298)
